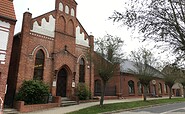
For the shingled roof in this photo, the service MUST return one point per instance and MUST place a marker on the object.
(128, 66)
(7, 9)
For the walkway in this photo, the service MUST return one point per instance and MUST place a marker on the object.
(63, 110)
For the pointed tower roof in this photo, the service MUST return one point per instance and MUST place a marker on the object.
(7, 9)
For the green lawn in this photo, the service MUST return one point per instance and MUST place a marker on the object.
(125, 105)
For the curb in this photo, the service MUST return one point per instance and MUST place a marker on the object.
(129, 109)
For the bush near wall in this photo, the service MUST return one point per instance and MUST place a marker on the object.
(33, 92)
(83, 92)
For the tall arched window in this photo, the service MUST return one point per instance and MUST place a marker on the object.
(165, 88)
(131, 87)
(160, 88)
(39, 65)
(140, 89)
(82, 70)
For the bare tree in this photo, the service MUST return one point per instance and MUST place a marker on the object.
(143, 60)
(159, 20)
(106, 59)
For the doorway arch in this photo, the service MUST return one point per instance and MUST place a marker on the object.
(62, 82)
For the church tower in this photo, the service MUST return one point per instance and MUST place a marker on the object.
(66, 16)
(65, 24)
(64, 57)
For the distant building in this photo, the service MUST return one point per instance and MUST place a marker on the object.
(177, 90)
(52, 47)
(7, 25)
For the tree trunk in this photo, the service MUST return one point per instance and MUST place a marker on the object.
(102, 94)
(184, 91)
(145, 93)
(170, 94)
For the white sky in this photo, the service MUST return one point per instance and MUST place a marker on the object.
(93, 15)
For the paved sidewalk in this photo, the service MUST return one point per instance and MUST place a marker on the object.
(63, 110)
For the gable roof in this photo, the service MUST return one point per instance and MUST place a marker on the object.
(7, 9)
(74, 1)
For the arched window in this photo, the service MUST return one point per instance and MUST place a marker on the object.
(140, 89)
(72, 12)
(166, 88)
(148, 89)
(82, 70)
(39, 65)
(61, 7)
(160, 88)
(97, 87)
(131, 87)
(67, 9)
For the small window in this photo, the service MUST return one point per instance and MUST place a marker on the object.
(61, 7)
(72, 12)
(82, 70)
(67, 9)
(131, 87)
(39, 65)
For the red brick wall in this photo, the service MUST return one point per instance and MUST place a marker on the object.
(20, 106)
(126, 77)
(121, 83)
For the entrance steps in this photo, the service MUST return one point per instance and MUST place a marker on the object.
(67, 102)
(10, 111)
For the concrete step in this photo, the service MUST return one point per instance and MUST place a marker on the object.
(10, 111)
(67, 102)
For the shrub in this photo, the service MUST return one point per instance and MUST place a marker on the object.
(33, 92)
(83, 92)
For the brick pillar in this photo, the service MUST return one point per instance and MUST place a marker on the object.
(25, 33)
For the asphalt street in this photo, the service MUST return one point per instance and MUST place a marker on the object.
(174, 108)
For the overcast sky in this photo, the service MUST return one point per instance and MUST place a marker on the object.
(93, 15)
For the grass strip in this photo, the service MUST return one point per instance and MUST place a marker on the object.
(125, 105)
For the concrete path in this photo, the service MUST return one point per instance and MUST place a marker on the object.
(63, 110)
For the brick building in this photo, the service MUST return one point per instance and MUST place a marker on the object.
(125, 84)
(52, 47)
(7, 25)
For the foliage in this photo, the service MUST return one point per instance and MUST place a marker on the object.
(159, 20)
(142, 60)
(109, 48)
(83, 92)
(106, 59)
(125, 105)
(33, 92)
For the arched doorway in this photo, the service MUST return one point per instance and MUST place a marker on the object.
(62, 83)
